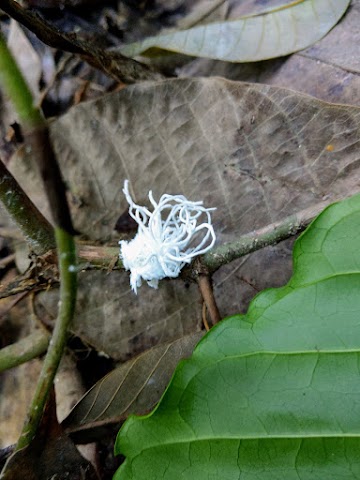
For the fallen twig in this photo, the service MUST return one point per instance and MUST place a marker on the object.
(118, 66)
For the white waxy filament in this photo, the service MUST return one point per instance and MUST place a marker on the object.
(167, 238)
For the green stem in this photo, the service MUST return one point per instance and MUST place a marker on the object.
(17, 89)
(37, 231)
(33, 121)
(228, 252)
(68, 283)
(258, 239)
(24, 350)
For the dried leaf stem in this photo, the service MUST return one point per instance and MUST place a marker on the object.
(206, 290)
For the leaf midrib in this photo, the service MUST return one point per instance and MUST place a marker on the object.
(244, 438)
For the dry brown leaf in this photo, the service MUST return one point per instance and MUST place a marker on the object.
(26, 57)
(273, 32)
(341, 46)
(134, 387)
(257, 153)
(114, 321)
(51, 454)
(15, 383)
(328, 70)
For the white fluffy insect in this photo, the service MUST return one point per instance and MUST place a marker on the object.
(166, 238)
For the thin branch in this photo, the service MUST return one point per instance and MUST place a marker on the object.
(204, 317)
(36, 229)
(68, 284)
(38, 232)
(118, 66)
(23, 284)
(24, 350)
(258, 239)
(100, 257)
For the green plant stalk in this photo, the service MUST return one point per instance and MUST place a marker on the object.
(34, 123)
(24, 350)
(68, 284)
(17, 89)
(36, 133)
(36, 229)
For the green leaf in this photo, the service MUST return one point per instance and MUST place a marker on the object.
(269, 34)
(273, 394)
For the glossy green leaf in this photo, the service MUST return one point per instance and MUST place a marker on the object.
(268, 34)
(274, 394)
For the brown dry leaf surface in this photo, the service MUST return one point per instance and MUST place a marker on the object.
(26, 57)
(257, 153)
(277, 32)
(329, 70)
(206, 138)
(16, 383)
(112, 319)
(51, 454)
(341, 46)
(253, 7)
(134, 387)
